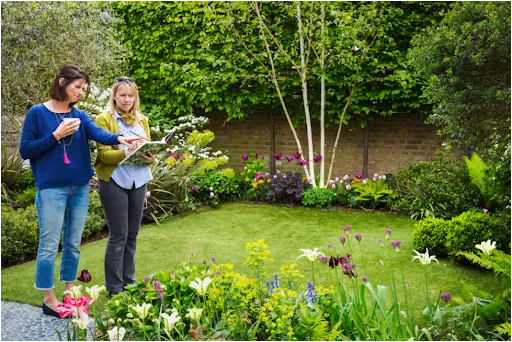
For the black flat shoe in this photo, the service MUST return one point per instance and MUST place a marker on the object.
(48, 311)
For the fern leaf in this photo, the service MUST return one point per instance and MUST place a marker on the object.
(503, 329)
(477, 167)
(476, 259)
(471, 290)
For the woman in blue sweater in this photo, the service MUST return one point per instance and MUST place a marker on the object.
(54, 138)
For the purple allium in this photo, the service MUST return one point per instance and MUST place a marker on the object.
(446, 296)
(365, 280)
(318, 159)
(245, 157)
(329, 245)
(358, 236)
(396, 244)
(346, 229)
(358, 175)
(302, 162)
(214, 260)
(388, 233)
(146, 279)
(193, 188)
(379, 241)
(217, 273)
(312, 295)
(323, 259)
(278, 156)
(343, 240)
(485, 211)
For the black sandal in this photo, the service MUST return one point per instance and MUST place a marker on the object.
(49, 311)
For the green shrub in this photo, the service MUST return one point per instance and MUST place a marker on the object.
(223, 184)
(95, 217)
(26, 197)
(373, 193)
(318, 197)
(471, 228)
(431, 233)
(20, 234)
(440, 188)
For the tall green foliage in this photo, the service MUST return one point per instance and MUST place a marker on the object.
(466, 61)
(39, 37)
(186, 56)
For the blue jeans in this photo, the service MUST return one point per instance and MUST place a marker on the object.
(60, 210)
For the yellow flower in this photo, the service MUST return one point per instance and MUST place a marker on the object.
(170, 161)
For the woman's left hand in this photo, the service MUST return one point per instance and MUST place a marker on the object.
(148, 158)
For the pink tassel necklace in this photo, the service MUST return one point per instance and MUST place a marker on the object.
(66, 159)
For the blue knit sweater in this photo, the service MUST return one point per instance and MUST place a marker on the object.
(46, 154)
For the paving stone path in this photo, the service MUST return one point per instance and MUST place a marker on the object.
(25, 322)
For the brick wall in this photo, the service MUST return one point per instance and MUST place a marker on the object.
(392, 142)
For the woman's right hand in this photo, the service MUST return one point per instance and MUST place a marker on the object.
(66, 129)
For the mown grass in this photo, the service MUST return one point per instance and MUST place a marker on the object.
(222, 233)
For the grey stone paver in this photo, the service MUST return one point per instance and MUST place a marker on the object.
(25, 322)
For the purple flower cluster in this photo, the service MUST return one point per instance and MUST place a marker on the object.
(318, 158)
(358, 175)
(446, 296)
(344, 261)
(302, 162)
(176, 155)
(358, 236)
(193, 188)
(346, 229)
(343, 240)
(312, 295)
(396, 244)
(274, 284)
(277, 156)
(157, 285)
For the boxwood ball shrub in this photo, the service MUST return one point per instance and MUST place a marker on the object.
(431, 233)
(20, 234)
(471, 228)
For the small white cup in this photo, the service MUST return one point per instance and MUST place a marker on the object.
(75, 120)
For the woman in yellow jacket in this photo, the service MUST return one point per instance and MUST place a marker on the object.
(122, 188)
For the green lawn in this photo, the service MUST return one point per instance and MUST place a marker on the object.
(222, 232)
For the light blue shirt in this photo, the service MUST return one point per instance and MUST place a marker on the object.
(128, 175)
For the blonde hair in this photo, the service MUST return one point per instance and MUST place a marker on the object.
(133, 88)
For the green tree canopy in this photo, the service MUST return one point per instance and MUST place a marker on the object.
(39, 37)
(186, 56)
(466, 60)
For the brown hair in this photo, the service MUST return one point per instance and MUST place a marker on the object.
(67, 74)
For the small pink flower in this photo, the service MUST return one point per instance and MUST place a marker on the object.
(148, 194)
(212, 195)
(348, 187)
(485, 211)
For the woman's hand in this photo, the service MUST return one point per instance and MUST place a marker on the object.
(128, 141)
(65, 129)
(148, 158)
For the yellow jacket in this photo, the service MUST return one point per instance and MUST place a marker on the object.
(109, 156)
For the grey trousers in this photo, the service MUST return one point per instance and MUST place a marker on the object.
(123, 212)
